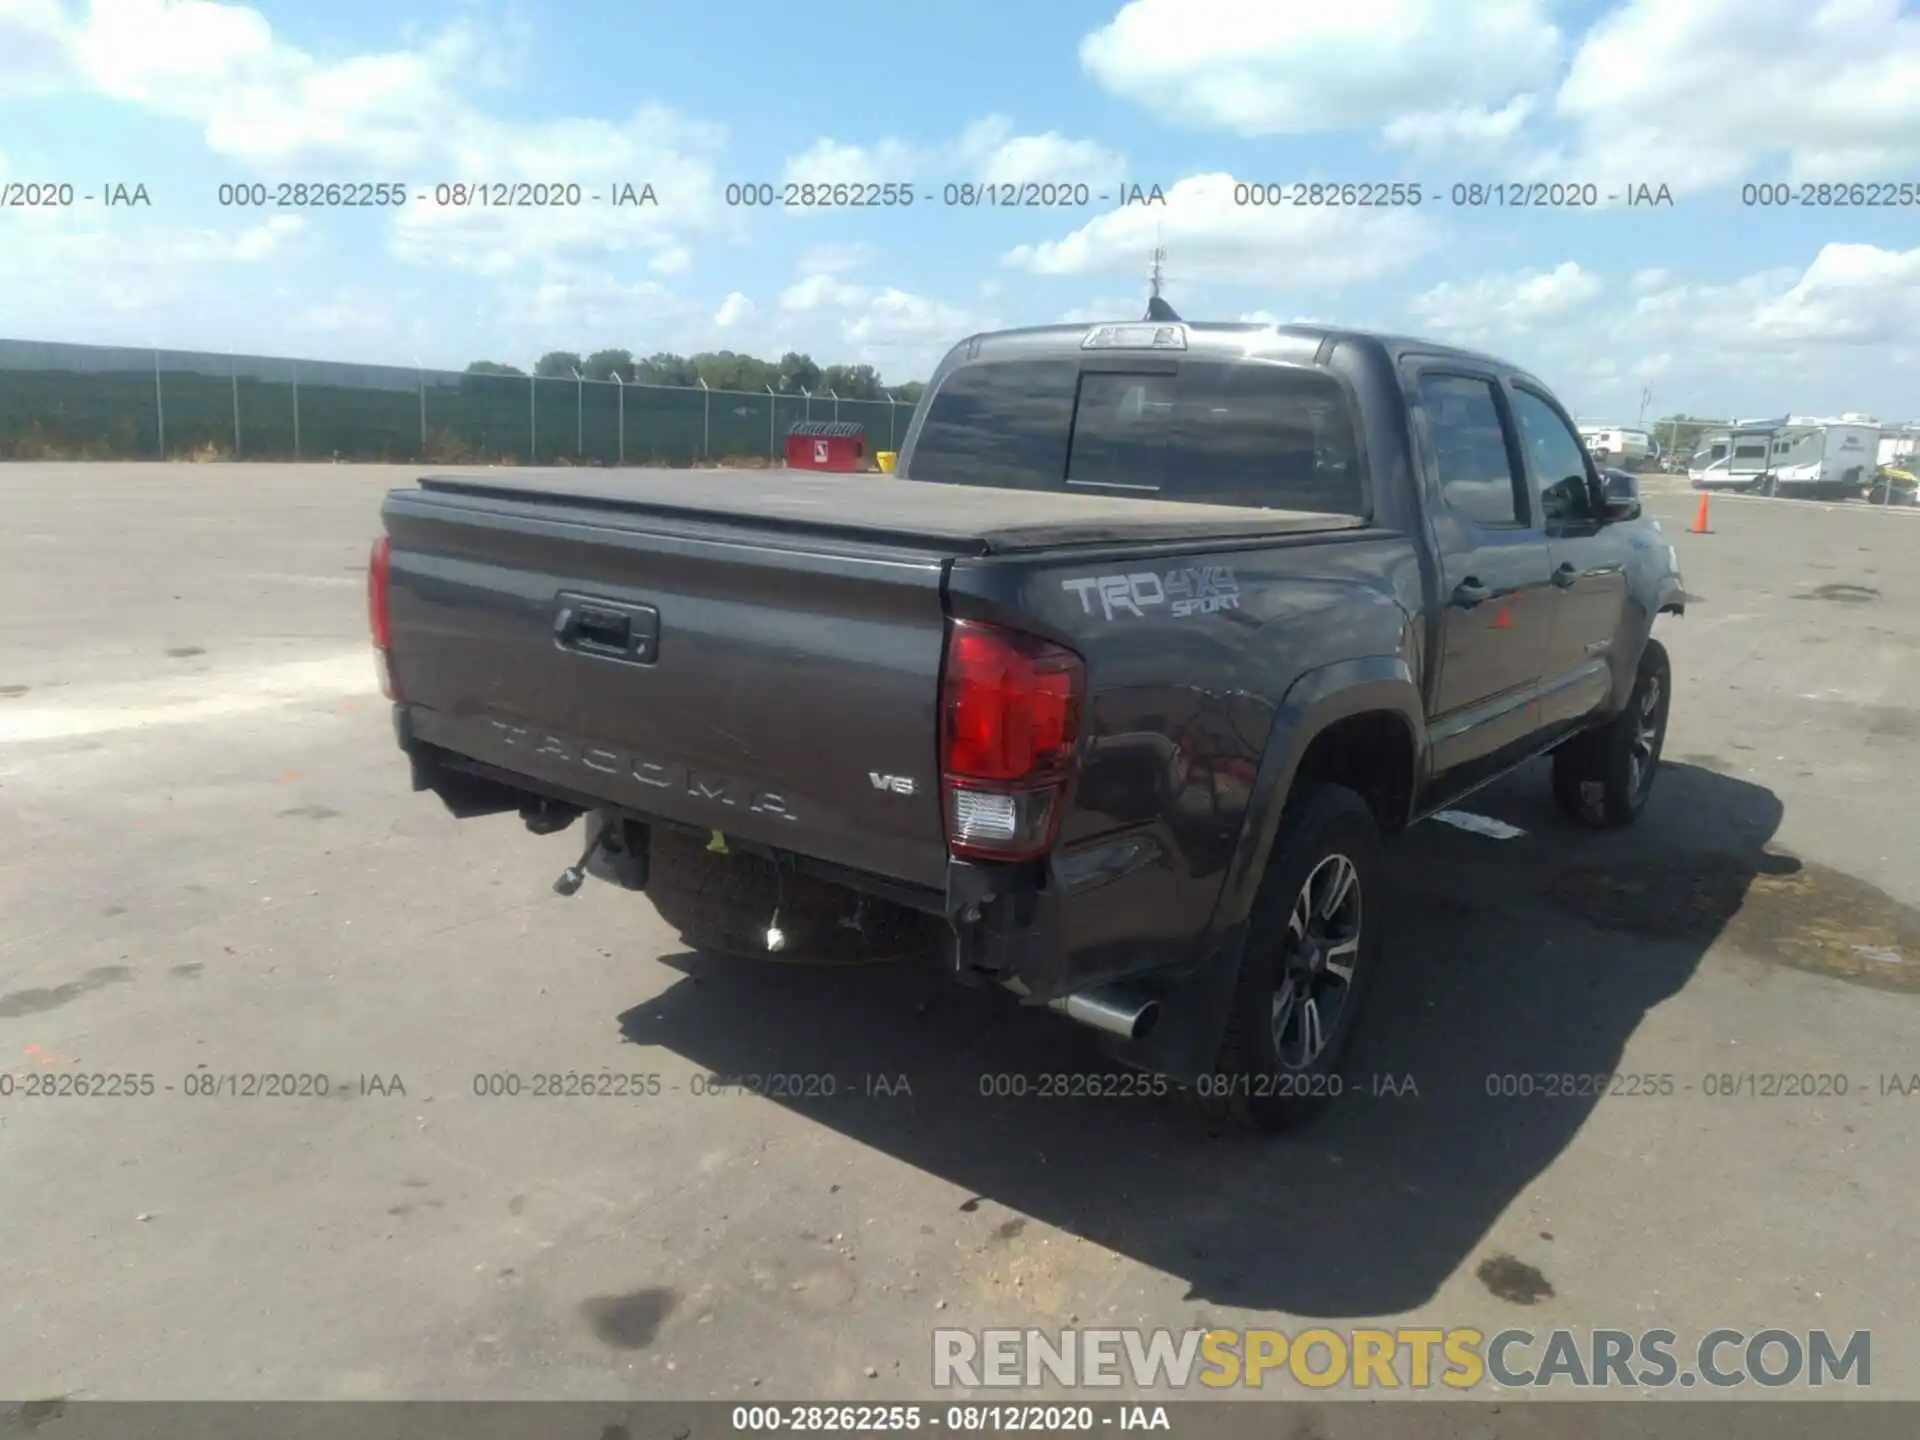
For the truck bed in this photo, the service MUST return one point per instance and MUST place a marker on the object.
(945, 519)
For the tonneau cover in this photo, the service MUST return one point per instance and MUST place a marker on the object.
(968, 518)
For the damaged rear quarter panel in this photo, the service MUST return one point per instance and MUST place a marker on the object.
(1189, 655)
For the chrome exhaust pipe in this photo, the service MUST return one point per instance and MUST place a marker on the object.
(1115, 1011)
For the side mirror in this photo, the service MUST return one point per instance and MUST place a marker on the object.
(1621, 496)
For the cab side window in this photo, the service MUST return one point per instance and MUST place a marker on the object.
(1469, 442)
(1556, 458)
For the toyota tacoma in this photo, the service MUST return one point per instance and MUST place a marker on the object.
(1110, 695)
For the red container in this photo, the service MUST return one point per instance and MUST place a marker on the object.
(827, 445)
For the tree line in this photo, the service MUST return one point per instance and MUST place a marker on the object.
(792, 373)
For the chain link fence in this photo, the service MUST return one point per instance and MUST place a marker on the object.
(85, 402)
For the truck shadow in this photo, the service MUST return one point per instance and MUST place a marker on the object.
(1535, 956)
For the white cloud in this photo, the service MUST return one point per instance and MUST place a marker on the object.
(894, 319)
(1850, 295)
(581, 300)
(899, 332)
(1105, 308)
(127, 264)
(736, 309)
(1210, 238)
(1698, 93)
(340, 318)
(1468, 134)
(836, 259)
(990, 151)
(1508, 303)
(257, 98)
(415, 115)
(676, 157)
(33, 57)
(829, 162)
(267, 237)
(818, 292)
(1260, 67)
(1830, 336)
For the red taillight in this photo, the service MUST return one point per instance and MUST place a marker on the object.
(379, 619)
(1009, 734)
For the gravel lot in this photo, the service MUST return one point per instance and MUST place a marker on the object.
(213, 865)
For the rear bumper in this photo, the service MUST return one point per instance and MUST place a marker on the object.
(1024, 927)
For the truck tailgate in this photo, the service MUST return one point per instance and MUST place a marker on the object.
(788, 696)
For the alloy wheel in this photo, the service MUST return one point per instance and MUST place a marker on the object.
(1645, 751)
(1320, 951)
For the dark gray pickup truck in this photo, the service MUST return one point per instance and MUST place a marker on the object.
(1110, 695)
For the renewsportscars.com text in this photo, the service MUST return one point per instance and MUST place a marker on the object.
(1382, 1359)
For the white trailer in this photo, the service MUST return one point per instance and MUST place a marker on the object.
(1818, 459)
(1900, 447)
(1708, 463)
(1613, 445)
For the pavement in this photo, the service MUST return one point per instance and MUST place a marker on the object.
(213, 868)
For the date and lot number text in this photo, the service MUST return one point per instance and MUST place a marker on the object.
(1721, 1085)
(454, 195)
(871, 1419)
(1466, 195)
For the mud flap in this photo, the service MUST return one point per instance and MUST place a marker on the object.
(1185, 1042)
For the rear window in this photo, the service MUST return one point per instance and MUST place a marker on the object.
(1220, 434)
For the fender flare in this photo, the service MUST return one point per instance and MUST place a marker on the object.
(1194, 1013)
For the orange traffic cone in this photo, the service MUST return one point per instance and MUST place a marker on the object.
(1700, 519)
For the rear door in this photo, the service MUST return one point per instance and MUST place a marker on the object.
(1498, 599)
(750, 683)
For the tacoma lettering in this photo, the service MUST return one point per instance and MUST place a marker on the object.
(710, 788)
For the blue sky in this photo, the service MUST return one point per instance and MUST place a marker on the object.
(1713, 305)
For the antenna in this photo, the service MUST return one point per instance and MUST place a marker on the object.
(1158, 308)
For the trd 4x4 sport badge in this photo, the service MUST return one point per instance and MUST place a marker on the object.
(1201, 591)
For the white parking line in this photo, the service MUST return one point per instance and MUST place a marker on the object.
(1478, 824)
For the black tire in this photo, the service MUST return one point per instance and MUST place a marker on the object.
(1603, 777)
(1264, 1077)
(723, 903)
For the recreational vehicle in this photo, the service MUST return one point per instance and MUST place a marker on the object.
(1900, 447)
(1610, 445)
(1803, 456)
(1709, 459)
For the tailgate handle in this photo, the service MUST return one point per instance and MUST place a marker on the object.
(619, 632)
(601, 630)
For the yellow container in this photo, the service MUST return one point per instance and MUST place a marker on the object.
(885, 459)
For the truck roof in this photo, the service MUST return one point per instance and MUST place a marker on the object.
(1218, 340)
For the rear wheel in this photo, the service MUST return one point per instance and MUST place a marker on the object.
(1603, 777)
(1312, 947)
